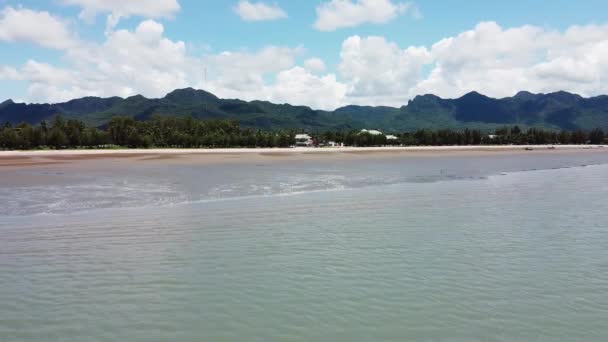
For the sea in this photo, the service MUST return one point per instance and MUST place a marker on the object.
(480, 247)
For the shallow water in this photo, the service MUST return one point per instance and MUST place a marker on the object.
(426, 249)
(65, 189)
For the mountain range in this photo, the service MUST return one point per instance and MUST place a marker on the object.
(559, 110)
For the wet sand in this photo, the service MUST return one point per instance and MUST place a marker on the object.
(23, 159)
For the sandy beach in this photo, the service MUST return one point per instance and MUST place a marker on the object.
(12, 159)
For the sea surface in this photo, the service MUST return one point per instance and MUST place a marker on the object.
(497, 247)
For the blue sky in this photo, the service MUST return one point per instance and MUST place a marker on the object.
(322, 53)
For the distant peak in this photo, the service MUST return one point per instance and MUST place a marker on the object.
(189, 91)
(6, 103)
(474, 94)
(563, 93)
(422, 102)
(424, 99)
(182, 90)
(564, 96)
(525, 95)
(426, 96)
(88, 98)
(346, 108)
(191, 97)
(136, 97)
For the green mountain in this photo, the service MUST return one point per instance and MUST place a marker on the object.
(560, 110)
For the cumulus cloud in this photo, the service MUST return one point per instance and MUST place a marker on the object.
(117, 9)
(500, 62)
(127, 63)
(298, 86)
(337, 14)
(143, 61)
(378, 71)
(491, 59)
(314, 65)
(41, 28)
(143, 8)
(259, 11)
(8, 73)
(244, 74)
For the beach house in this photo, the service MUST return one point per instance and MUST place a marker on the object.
(304, 140)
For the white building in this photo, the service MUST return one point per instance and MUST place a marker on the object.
(391, 137)
(333, 144)
(304, 140)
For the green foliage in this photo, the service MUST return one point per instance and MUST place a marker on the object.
(188, 132)
(57, 138)
(558, 111)
(597, 136)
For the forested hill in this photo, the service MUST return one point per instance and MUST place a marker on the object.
(560, 110)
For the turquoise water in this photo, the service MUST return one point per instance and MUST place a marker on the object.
(393, 251)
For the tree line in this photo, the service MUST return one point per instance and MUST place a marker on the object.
(447, 137)
(165, 132)
(174, 132)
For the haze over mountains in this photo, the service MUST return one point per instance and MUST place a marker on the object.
(560, 110)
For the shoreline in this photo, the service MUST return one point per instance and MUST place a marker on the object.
(21, 159)
(292, 150)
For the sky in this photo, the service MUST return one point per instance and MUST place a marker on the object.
(320, 53)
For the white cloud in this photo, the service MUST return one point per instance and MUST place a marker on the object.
(145, 62)
(143, 8)
(45, 73)
(490, 59)
(372, 70)
(380, 72)
(42, 28)
(117, 9)
(298, 86)
(337, 14)
(314, 65)
(500, 62)
(8, 73)
(244, 74)
(271, 74)
(127, 63)
(259, 11)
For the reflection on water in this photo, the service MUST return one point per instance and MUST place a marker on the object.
(515, 257)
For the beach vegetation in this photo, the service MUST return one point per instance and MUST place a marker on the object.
(189, 132)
